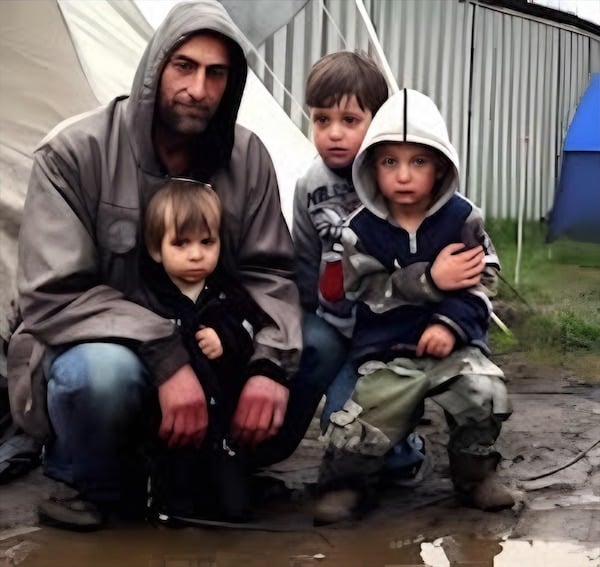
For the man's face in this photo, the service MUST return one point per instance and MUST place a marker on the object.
(192, 84)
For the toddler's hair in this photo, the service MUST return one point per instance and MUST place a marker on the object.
(346, 73)
(189, 206)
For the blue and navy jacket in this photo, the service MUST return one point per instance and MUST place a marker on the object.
(383, 263)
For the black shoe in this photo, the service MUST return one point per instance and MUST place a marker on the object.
(174, 477)
(211, 483)
(71, 513)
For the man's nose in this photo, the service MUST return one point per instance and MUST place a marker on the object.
(197, 86)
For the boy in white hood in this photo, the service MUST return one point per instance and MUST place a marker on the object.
(406, 176)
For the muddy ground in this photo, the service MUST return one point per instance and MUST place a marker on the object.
(556, 422)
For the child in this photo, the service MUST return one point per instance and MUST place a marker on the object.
(217, 319)
(406, 175)
(344, 90)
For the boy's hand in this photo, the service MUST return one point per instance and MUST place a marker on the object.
(437, 341)
(209, 342)
(454, 270)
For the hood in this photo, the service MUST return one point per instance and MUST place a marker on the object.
(216, 143)
(407, 116)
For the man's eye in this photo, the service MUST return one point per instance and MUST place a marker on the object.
(217, 71)
(182, 65)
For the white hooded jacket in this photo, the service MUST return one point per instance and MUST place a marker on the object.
(384, 264)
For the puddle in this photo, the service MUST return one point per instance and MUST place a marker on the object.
(155, 547)
(449, 552)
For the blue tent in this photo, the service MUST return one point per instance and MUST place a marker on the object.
(576, 210)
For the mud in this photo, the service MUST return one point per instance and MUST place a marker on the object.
(556, 422)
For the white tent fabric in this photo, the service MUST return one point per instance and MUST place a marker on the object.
(63, 57)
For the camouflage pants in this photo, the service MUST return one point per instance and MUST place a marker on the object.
(388, 402)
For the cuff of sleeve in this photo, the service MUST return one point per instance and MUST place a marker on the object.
(430, 281)
(163, 357)
(460, 335)
(263, 367)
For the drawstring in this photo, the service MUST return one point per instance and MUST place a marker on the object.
(405, 112)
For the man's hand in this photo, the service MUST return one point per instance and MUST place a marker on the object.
(260, 410)
(437, 341)
(183, 407)
(209, 342)
(454, 270)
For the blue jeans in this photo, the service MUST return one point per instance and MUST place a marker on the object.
(98, 392)
(96, 396)
(323, 354)
(338, 392)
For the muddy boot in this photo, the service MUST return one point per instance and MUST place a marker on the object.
(346, 486)
(492, 495)
(348, 500)
(477, 483)
(338, 505)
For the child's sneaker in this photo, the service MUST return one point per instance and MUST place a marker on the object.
(408, 463)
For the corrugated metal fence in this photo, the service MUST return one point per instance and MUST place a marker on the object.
(507, 83)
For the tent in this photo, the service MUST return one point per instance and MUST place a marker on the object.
(576, 210)
(63, 57)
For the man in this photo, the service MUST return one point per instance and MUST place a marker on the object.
(88, 326)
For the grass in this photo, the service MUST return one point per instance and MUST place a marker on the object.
(553, 310)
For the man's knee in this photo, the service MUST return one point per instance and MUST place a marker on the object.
(104, 370)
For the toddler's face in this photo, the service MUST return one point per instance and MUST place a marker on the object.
(189, 258)
(338, 131)
(406, 174)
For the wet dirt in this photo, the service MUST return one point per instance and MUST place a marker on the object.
(556, 422)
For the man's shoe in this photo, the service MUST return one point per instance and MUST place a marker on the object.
(70, 513)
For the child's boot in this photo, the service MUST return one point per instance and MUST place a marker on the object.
(476, 481)
(346, 486)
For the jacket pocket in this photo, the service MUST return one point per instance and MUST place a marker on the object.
(117, 228)
(117, 233)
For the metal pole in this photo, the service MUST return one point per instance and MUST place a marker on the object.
(377, 45)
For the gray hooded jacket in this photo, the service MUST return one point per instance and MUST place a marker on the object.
(81, 243)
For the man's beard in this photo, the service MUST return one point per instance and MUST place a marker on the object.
(183, 124)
